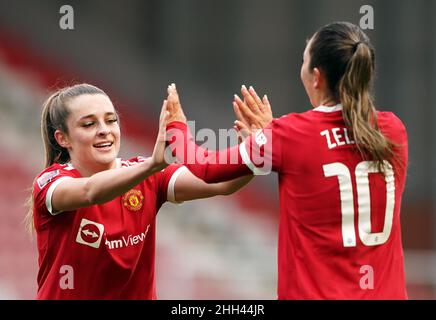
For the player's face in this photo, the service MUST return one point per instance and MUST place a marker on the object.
(306, 75)
(93, 132)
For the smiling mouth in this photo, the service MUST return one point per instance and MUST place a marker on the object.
(102, 145)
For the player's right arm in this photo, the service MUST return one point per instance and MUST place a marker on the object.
(71, 194)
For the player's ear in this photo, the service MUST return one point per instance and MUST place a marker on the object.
(317, 78)
(62, 139)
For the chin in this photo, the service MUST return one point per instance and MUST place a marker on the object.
(106, 159)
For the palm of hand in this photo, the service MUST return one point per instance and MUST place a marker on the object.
(253, 113)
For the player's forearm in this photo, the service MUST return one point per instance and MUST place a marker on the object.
(203, 163)
(191, 189)
(106, 185)
(229, 187)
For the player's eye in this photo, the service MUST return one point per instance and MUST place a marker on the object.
(88, 124)
(113, 120)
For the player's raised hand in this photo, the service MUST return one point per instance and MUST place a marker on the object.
(252, 113)
(241, 124)
(158, 156)
(174, 107)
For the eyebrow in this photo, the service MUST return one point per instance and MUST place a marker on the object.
(93, 115)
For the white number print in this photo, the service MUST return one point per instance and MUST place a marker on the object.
(363, 169)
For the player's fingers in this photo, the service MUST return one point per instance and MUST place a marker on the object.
(170, 100)
(163, 111)
(238, 113)
(170, 104)
(242, 128)
(244, 109)
(256, 98)
(176, 96)
(238, 133)
(173, 97)
(240, 125)
(266, 103)
(165, 118)
(251, 103)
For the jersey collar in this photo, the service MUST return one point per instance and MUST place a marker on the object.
(118, 164)
(337, 107)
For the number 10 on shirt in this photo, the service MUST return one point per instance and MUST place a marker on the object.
(362, 171)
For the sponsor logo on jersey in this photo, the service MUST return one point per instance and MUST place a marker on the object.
(130, 240)
(133, 200)
(46, 178)
(90, 233)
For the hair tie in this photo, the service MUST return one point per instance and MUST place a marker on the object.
(356, 45)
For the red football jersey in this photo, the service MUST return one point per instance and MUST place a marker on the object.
(339, 234)
(102, 251)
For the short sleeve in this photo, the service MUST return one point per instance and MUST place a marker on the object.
(394, 129)
(166, 180)
(44, 186)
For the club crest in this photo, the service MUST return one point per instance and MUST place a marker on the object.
(133, 200)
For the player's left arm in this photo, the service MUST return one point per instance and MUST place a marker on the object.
(189, 187)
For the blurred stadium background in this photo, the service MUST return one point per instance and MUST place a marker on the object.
(223, 248)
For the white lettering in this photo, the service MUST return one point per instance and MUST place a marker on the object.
(327, 136)
(188, 310)
(117, 244)
(206, 139)
(226, 139)
(337, 136)
(340, 135)
(209, 143)
(127, 241)
(67, 280)
(347, 138)
(67, 20)
(142, 235)
(367, 280)
(135, 239)
(367, 20)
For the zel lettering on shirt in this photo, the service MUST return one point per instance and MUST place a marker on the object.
(336, 137)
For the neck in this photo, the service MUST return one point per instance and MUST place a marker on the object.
(328, 102)
(324, 99)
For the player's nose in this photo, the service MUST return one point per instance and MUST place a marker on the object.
(103, 129)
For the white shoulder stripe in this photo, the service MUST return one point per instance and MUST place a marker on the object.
(49, 194)
(171, 196)
(247, 161)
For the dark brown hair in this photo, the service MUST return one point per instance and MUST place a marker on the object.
(343, 52)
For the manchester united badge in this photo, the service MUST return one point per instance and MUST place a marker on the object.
(133, 200)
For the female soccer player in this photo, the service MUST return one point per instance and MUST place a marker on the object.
(94, 213)
(342, 170)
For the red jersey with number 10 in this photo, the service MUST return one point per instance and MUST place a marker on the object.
(340, 234)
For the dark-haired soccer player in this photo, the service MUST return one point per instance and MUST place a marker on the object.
(342, 171)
